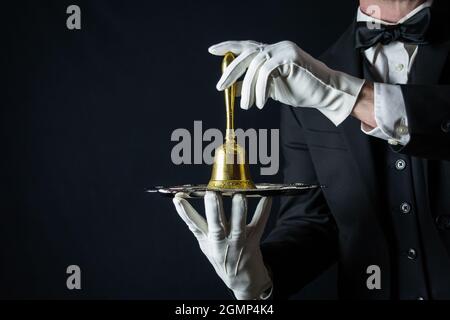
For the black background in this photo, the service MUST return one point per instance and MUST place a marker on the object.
(86, 120)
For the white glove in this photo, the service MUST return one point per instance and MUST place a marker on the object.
(286, 73)
(232, 248)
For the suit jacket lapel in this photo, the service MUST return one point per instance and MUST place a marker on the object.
(431, 59)
(344, 57)
(429, 64)
(427, 69)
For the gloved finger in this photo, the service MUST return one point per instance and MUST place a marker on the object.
(238, 216)
(236, 47)
(236, 69)
(249, 83)
(262, 85)
(191, 217)
(260, 217)
(215, 216)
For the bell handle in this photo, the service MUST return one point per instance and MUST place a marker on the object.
(230, 95)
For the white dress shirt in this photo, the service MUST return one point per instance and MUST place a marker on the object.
(392, 63)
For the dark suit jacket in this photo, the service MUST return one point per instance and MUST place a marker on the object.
(343, 222)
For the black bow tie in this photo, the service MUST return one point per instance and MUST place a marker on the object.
(411, 31)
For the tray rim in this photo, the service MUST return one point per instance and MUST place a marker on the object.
(198, 190)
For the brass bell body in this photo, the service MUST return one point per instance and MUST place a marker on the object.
(230, 168)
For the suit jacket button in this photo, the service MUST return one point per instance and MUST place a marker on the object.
(412, 254)
(443, 222)
(400, 164)
(405, 207)
(446, 126)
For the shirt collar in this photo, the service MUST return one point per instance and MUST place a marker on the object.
(362, 17)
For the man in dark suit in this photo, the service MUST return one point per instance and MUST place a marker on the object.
(372, 124)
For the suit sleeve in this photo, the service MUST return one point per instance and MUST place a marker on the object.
(303, 242)
(428, 112)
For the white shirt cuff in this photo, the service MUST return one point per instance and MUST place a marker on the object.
(390, 115)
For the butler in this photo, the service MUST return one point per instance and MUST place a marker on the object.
(370, 120)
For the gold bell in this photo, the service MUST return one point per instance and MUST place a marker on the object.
(230, 169)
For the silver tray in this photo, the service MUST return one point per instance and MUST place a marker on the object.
(262, 190)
